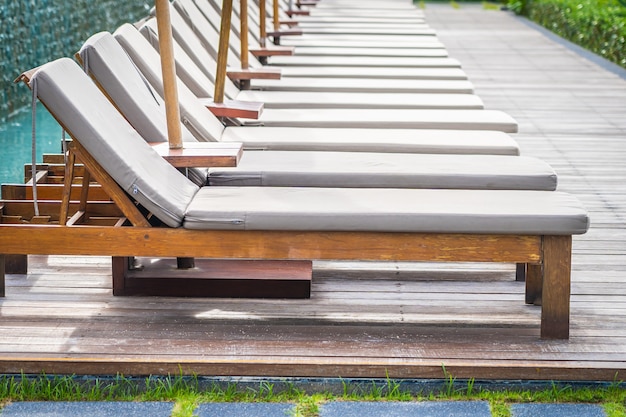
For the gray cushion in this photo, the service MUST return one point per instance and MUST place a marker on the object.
(392, 170)
(374, 140)
(365, 72)
(390, 119)
(372, 52)
(196, 117)
(321, 99)
(90, 118)
(354, 61)
(106, 61)
(364, 85)
(386, 210)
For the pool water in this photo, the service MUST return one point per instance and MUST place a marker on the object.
(15, 142)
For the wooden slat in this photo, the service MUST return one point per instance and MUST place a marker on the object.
(50, 192)
(142, 241)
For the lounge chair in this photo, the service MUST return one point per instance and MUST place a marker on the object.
(187, 12)
(363, 29)
(532, 227)
(194, 116)
(207, 34)
(424, 46)
(352, 118)
(201, 81)
(343, 61)
(114, 72)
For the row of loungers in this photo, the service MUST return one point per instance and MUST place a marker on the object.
(349, 181)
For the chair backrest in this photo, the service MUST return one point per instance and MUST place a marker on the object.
(90, 118)
(200, 46)
(195, 116)
(106, 61)
(201, 81)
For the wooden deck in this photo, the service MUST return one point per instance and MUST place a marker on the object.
(374, 319)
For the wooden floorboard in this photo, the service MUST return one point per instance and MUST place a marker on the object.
(377, 319)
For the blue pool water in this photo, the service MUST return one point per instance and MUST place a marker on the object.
(15, 142)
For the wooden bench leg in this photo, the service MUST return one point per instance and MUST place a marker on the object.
(520, 272)
(2, 282)
(534, 282)
(557, 266)
(16, 264)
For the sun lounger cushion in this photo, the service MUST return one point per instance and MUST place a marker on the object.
(327, 100)
(364, 85)
(386, 210)
(370, 170)
(389, 119)
(354, 61)
(106, 135)
(194, 115)
(131, 93)
(374, 140)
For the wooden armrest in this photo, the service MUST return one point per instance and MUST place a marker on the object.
(276, 51)
(254, 74)
(289, 22)
(298, 13)
(201, 154)
(285, 32)
(234, 108)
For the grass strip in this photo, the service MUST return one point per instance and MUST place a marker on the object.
(188, 392)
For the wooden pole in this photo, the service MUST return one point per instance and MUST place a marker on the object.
(263, 13)
(222, 53)
(243, 16)
(275, 16)
(168, 69)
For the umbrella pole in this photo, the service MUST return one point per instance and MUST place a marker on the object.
(263, 13)
(275, 16)
(244, 34)
(222, 53)
(168, 68)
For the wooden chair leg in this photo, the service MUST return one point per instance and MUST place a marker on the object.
(557, 266)
(520, 272)
(67, 188)
(119, 267)
(534, 283)
(2, 281)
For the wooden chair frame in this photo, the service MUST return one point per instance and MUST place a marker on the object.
(547, 258)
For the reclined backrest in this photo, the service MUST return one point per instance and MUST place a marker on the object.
(196, 117)
(208, 32)
(106, 61)
(90, 118)
(200, 84)
(203, 54)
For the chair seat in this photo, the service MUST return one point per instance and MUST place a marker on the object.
(355, 61)
(389, 119)
(373, 140)
(365, 85)
(373, 72)
(386, 210)
(391, 170)
(326, 100)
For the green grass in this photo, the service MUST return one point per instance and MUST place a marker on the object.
(188, 392)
